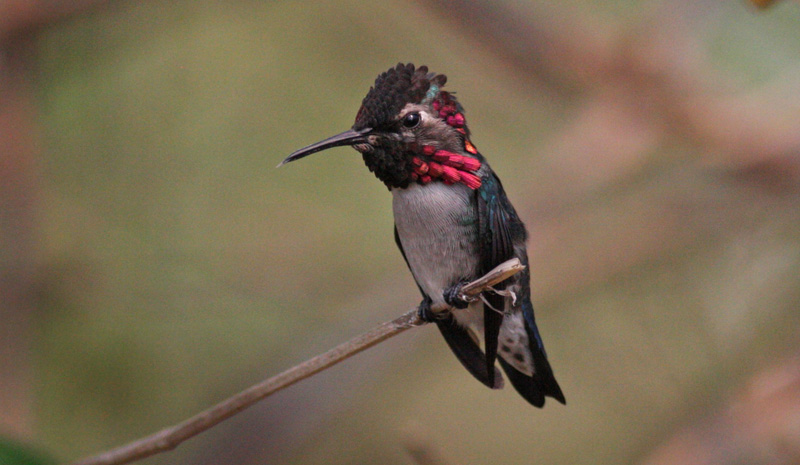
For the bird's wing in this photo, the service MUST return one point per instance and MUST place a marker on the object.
(497, 224)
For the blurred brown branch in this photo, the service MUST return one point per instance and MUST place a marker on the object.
(763, 3)
(422, 450)
(758, 425)
(22, 17)
(632, 91)
(19, 191)
(647, 81)
(18, 197)
(170, 438)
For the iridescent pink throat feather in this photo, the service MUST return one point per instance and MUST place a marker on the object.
(446, 166)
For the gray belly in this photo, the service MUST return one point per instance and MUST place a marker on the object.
(438, 231)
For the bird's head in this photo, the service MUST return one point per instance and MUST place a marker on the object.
(409, 130)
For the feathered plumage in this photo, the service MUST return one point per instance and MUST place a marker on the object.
(453, 223)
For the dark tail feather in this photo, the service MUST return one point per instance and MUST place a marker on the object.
(468, 352)
(524, 384)
(542, 383)
(492, 320)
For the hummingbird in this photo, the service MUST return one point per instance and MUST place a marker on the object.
(453, 223)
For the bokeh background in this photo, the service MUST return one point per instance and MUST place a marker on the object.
(153, 261)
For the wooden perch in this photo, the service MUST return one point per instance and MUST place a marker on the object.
(169, 438)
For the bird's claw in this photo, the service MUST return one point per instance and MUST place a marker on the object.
(454, 298)
(425, 312)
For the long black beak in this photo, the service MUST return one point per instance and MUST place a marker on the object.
(350, 137)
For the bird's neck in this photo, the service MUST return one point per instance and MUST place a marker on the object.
(429, 164)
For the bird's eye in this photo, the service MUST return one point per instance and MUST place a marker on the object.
(411, 120)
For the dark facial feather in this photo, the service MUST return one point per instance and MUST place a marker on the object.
(388, 155)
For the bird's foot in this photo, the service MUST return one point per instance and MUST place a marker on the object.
(425, 312)
(453, 297)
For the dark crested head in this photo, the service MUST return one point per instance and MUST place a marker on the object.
(392, 91)
(409, 130)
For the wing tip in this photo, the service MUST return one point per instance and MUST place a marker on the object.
(535, 389)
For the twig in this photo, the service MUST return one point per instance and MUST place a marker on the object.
(170, 438)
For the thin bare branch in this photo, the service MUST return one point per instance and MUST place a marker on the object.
(170, 438)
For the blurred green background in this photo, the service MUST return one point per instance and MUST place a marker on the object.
(652, 148)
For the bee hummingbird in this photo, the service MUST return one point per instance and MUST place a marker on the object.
(453, 224)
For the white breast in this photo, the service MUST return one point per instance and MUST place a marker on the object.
(437, 229)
